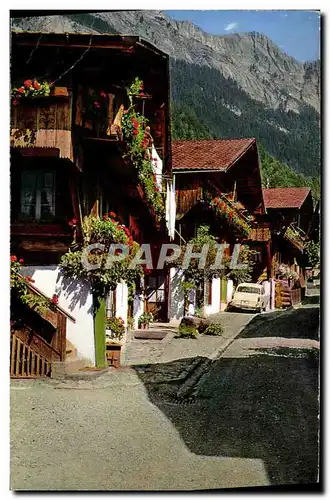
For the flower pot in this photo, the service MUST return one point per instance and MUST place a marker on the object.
(113, 351)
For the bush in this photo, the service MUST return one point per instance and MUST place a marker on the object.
(187, 332)
(214, 329)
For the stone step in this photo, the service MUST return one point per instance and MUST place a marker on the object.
(63, 368)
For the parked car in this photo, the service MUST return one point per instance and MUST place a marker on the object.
(249, 296)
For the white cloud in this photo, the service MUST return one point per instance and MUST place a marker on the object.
(231, 26)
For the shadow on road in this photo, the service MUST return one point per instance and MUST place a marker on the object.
(292, 323)
(261, 407)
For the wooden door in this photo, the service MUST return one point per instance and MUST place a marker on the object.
(155, 296)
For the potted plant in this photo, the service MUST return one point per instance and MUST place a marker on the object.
(114, 332)
(144, 320)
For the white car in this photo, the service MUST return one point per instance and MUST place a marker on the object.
(249, 296)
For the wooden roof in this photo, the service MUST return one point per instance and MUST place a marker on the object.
(208, 155)
(285, 197)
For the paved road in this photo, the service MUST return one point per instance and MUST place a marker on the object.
(254, 423)
(260, 399)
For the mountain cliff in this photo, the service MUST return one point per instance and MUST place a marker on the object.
(235, 85)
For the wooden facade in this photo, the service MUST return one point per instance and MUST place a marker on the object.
(67, 163)
(238, 187)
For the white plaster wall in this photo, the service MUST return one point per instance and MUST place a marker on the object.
(122, 304)
(122, 301)
(272, 291)
(176, 296)
(267, 287)
(76, 298)
(138, 309)
(215, 306)
(230, 290)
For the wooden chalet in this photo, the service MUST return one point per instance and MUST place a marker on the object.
(67, 158)
(290, 213)
(218, 183)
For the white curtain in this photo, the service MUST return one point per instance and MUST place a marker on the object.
(170, 209)
(157, 165)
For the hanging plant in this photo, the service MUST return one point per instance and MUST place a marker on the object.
(230, 214)
(19, 284)
(103, 230)
(136, 133)
(30, 88)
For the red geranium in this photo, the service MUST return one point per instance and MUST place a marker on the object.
(20, 90)
(73, 222)
(28, 83)
(54, 299)
(13, 258)
(112, 214)
(15, 102)
(103, 94)
(135, 132)
(97, 104)
(36, 85)
(21, 261)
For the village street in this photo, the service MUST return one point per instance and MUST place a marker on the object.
(251, 419)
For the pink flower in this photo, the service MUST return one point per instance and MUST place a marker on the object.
(97, 104)
(21, 261)
(103, 94)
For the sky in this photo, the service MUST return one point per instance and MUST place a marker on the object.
(297, 33)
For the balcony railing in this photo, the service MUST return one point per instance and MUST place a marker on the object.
(296, 236)
(226, 209)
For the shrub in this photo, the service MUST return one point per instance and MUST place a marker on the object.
(187, 332)
(214, 329)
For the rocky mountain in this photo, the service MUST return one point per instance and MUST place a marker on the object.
(235, 85)
(252, 60)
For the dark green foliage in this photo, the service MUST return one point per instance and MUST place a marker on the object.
(187, 332)
(214, 329)
(207, 94)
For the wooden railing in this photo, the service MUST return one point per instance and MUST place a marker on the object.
(25, 362)
(296, 236)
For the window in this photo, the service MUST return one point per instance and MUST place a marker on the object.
(38, 195)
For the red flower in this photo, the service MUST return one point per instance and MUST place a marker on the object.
(21, 261)
(20, 90)
(142, 93)
(28, 278)
(97, 104)
(54, 299)
(36, 85)
(13, 258)
(105, 217)
(112, 214)
(135, 132)
(28, 83)
(103, 94)
(15, 102)
(73, 222)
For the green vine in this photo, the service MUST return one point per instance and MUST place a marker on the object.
(20, 286)
(136, 133)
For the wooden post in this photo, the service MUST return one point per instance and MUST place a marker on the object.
(99, 331)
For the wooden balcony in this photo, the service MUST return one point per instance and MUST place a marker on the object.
(43, 123)
(296, 236)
